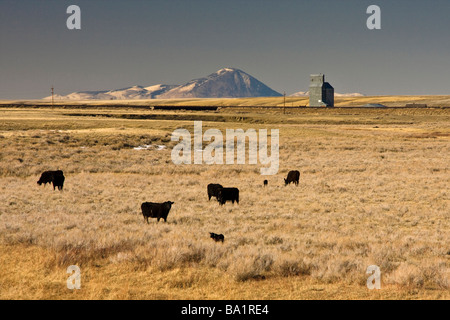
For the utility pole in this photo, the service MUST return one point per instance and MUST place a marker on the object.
(52, 96)
(284, 102)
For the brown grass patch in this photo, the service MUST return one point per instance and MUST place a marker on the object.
(366, 196)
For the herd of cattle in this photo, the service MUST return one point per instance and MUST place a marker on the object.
(161, 210)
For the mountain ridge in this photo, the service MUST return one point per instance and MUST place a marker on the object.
(336, 94)
(224, 83)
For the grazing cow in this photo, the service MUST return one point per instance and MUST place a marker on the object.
(293, 176)
(213, 190)
(265, 182)
(228, 194)
(55, 177)
(156, 210)
(217, 237)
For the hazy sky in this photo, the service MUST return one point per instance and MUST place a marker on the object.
(147, 42)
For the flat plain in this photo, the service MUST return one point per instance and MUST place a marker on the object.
(373, 191)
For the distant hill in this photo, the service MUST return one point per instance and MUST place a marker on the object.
(343, 95)
(300, 94)
(432, 101)
(131, 93)
(340, 95)
(225, 83)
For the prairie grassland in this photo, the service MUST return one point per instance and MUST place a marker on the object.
(373, 190)
(390, 101)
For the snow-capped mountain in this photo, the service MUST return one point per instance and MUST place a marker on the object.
(131, 93)
(159, 89)
(225, 83)
(306, 94)
(138, 92)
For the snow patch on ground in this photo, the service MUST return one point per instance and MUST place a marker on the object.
(149, 146)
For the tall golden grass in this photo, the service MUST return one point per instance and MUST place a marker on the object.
(373, 190)
(391, 101)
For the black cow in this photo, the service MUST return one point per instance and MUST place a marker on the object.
(228, 194)
(265, 182)
(293, 176)
(217, 237)
(55, 177)
(156, 210)
(213, 190)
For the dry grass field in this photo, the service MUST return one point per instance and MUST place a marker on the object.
(390, 101)
(373, 190)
